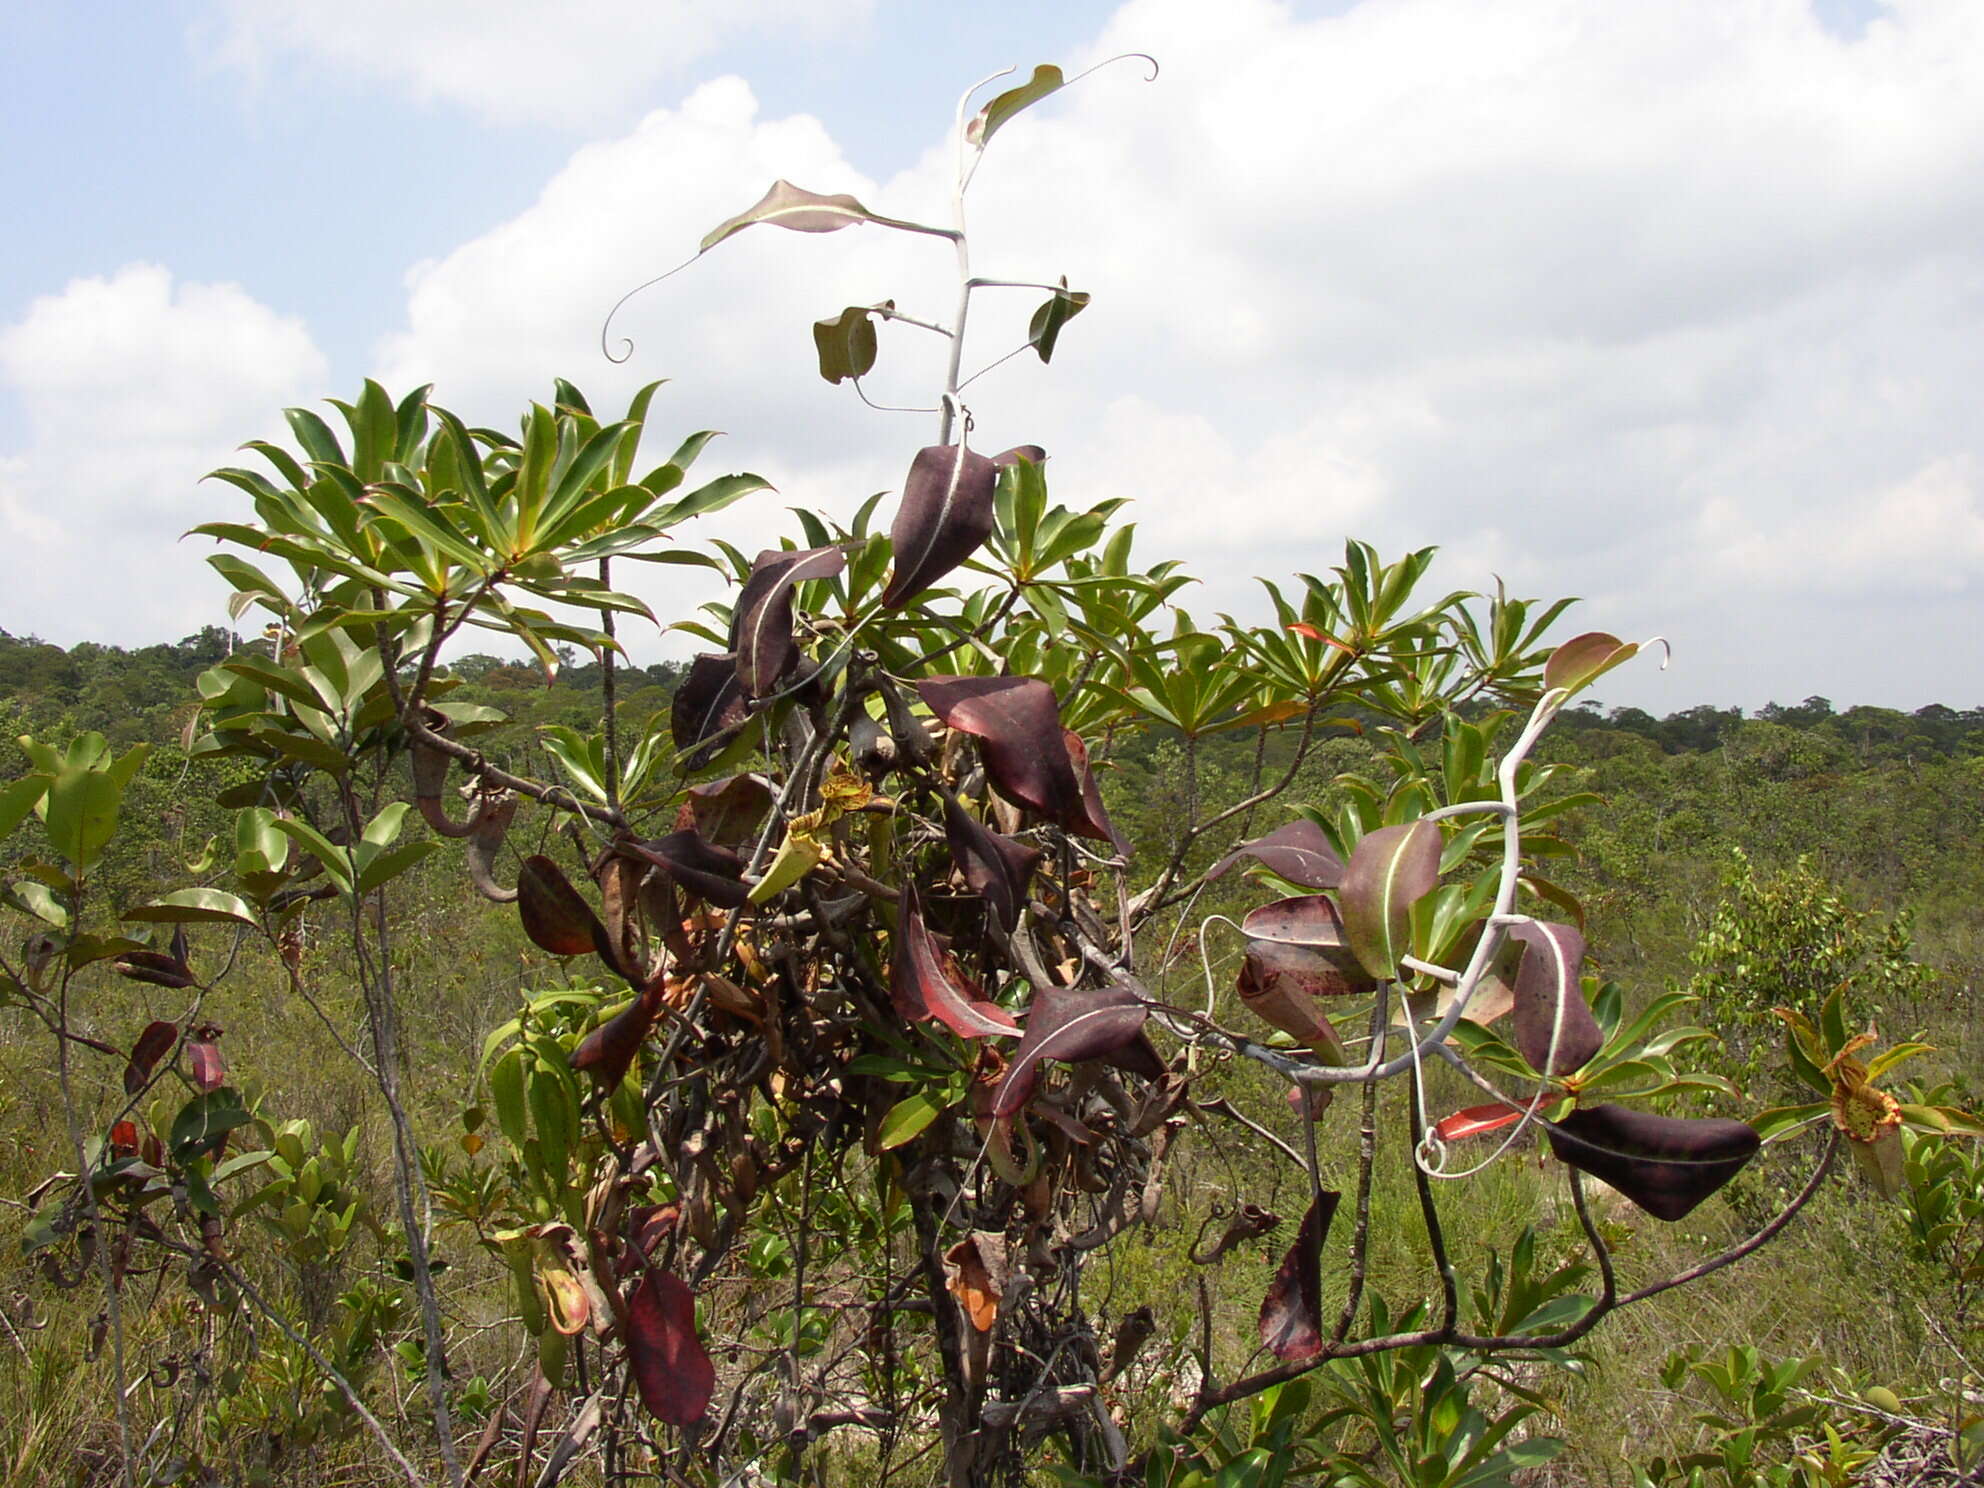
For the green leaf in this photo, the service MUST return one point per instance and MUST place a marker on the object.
(18, 799)
(390, 864)
(992, 118)
(1045, 327)
(210, 1114)
(906, 1118)
(189, 906)
(82, 808)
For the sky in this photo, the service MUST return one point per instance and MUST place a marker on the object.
(1676, 308)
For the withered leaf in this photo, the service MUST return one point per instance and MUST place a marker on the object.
(709, 704)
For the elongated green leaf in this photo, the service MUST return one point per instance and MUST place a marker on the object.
(906, 1118)
(185, 906)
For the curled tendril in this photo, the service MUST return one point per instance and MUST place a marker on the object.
(626, 342)
(1149, 77)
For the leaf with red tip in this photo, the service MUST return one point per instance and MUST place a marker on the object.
(708, 706)
(1280, 984)
(1091, 820)
(1475, 1121)
(1389, 871)
(673, 1374)
(1018, 723)
(152, 1045)
(728, 811)
(1070, 1026)
(995, 867)
(1292, 1312)
(1299, 852)
(761, 625)
(945, 516)
(925, 983)
(203, 1058)
(555, 916)
(1665, 1164)
(1547, 981)
(701, 868)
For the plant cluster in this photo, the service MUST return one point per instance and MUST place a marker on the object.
(871, 1041)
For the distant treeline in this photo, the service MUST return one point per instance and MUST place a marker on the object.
(124, 693)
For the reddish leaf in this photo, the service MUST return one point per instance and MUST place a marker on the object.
(926, 983)
(555, 916)
(1091, 820)
(709, 704)
(156, 969)
(1583, 659)
(1310, 921)
(1299, 852)
(1280, 985)
(995, 867)
(945, 515)
(1665, 1164)
(608, 1051)
(1292, 1312)
(1033, 454)
(1475, 1121)
(761, 627)
(1389, 871)
(124, 1139)
(1070, 1026)
(152, 1045)
(203, 1056)
(728, 811)
(1018, 721)
(671, 1371)
(1546, 981)
(701, 868)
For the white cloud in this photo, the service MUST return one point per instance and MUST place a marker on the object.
(1611, 298)
(132, 388)
(511, 61)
